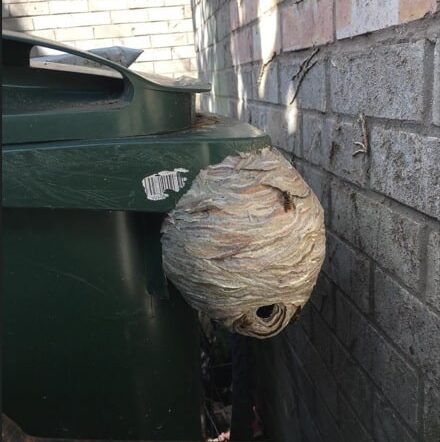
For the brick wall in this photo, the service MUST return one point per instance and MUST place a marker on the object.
(163, 28)
(350, 89)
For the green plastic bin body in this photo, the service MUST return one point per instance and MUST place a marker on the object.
(96, 345)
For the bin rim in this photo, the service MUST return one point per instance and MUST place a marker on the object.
(156, 82)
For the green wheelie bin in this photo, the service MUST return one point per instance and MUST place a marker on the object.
(96, 344)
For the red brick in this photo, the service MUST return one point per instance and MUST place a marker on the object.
(355, 17)
(414, 9)
(266, 36)
(243, 12)
(233, 11)
(248, 11)
(241, 46)
(265, 5)
(307, 24)
(343, 13)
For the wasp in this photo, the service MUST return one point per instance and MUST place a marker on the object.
(288, 201)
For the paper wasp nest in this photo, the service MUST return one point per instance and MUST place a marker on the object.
(246, 243)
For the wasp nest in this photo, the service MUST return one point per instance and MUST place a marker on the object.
(246, 243)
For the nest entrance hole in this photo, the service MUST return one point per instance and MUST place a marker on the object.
(266, 311)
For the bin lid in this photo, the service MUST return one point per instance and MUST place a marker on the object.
(45, 101)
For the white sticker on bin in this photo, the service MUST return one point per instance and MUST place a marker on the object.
(156, 185)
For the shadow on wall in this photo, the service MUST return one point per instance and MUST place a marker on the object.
(10, 24)
(251, 82)
(4, 14)
(244, 69)
(362, 360)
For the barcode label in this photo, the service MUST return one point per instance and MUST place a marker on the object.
(156, 185)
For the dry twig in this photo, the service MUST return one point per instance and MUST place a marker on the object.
(264, 67)
(302, 71)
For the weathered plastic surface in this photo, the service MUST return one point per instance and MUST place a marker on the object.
(11, 432)
(61, 102)
(88, 352)
(96, 345)
(108, 174)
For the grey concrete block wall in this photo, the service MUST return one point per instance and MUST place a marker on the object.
(382, 81)
(362, 363)
(436, 92)
(404, 166)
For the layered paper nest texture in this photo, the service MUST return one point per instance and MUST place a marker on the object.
(245, 244)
